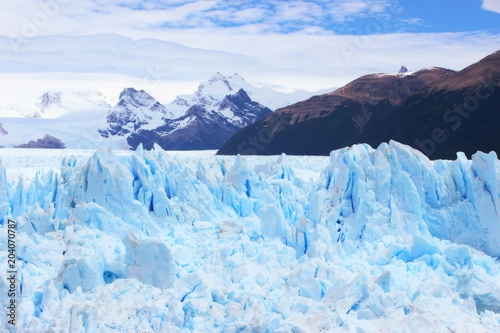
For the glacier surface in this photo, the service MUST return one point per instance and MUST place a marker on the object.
(367, 240)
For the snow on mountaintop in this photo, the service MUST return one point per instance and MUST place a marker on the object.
(136, 108)
(85, 116)
(211, 92)
(36, 95)
(403, 70)
(206, 125)
(217, 87)
(382, 240)
(54, 104)
(141, 102)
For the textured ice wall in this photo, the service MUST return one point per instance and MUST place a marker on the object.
(383, 238)
(397, 190)
(4, 194)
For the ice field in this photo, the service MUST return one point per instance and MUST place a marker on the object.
(365, 240)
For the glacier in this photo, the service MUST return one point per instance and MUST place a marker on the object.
(365, 240)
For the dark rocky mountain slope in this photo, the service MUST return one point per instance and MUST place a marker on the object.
(202, 128)
(418, 109)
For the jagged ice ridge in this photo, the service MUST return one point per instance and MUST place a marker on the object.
(384, 240)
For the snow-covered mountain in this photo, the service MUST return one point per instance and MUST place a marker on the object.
(204, 126)
(135, 109)
(69, 116)
(54, 104)
(211, 93)
(50, 105)
(203, 120)
(366, 240)
(85, 118)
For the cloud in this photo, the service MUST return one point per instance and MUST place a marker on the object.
(298, 60)
(118, 16)
(293, 44)
(292, 16)
(348, 10)
(298, 11)
(29, 18)
(491, 5)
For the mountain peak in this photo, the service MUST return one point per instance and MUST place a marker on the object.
(403, 70)
(136, 98)
(215, 88)
(130, 92)
(212, 92)
(217, 77)
(375, 88)
(376, 108)
(236, 76)
(135, 109)
(49, 103)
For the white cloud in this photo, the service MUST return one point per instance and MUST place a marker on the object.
(331, 60)
(347, 10)
(81, 17)
(250, 15)
(289, 44)
(291, 61)
(491, 5)
(297, 11)
(30, 18)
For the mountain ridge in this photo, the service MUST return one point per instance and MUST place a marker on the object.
(202, 120)
(202, 128)
(459, 113)
(364, 110)
(86, 119)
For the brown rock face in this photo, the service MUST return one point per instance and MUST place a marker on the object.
(437, 111)
(367, 90)
(473, 75)
(47, 142)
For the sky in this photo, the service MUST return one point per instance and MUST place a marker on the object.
(284, 45)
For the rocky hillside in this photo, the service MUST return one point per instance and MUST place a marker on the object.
(424, 109)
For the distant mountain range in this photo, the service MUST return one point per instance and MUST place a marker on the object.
(54, 104)
(437, 111)
(203, 120)
(84, 119)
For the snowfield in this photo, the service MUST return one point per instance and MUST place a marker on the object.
(366, 240)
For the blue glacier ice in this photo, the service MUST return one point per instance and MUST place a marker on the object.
(378, 240)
